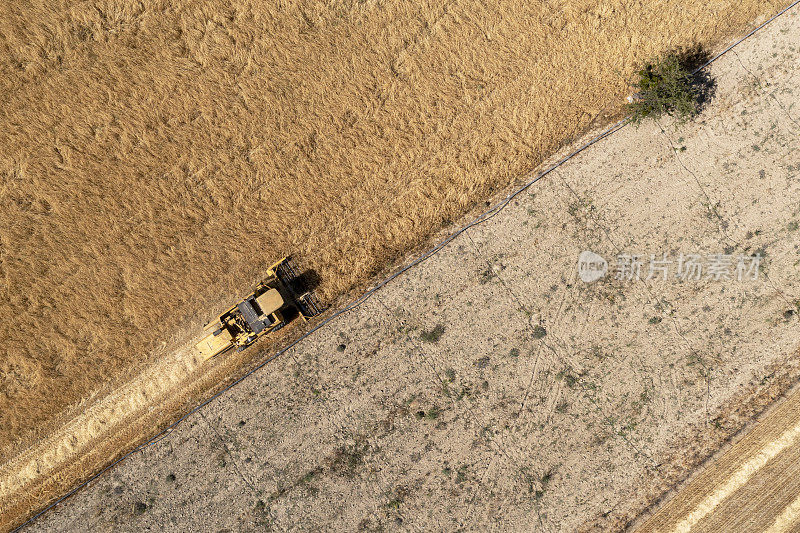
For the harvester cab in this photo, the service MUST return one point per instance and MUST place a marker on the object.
(280, 295)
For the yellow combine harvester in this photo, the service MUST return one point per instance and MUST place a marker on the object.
(266, 309)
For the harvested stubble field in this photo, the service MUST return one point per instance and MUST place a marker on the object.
(157, 156)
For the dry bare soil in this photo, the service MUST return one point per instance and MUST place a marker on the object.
(489, 387)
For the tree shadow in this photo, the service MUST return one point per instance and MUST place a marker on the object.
(703, 85)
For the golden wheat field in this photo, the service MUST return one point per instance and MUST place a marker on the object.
(156, 156)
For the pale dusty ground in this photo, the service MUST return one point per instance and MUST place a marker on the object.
(584, 426)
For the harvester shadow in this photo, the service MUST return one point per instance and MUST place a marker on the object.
(305, 282)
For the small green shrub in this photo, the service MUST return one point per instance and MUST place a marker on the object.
(432, 335)
(665, 87)
(393, 504)
(432, 413)
(346, 459)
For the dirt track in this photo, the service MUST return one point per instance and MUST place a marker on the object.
(440, 403)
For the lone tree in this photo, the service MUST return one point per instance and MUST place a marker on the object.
(668, 87)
